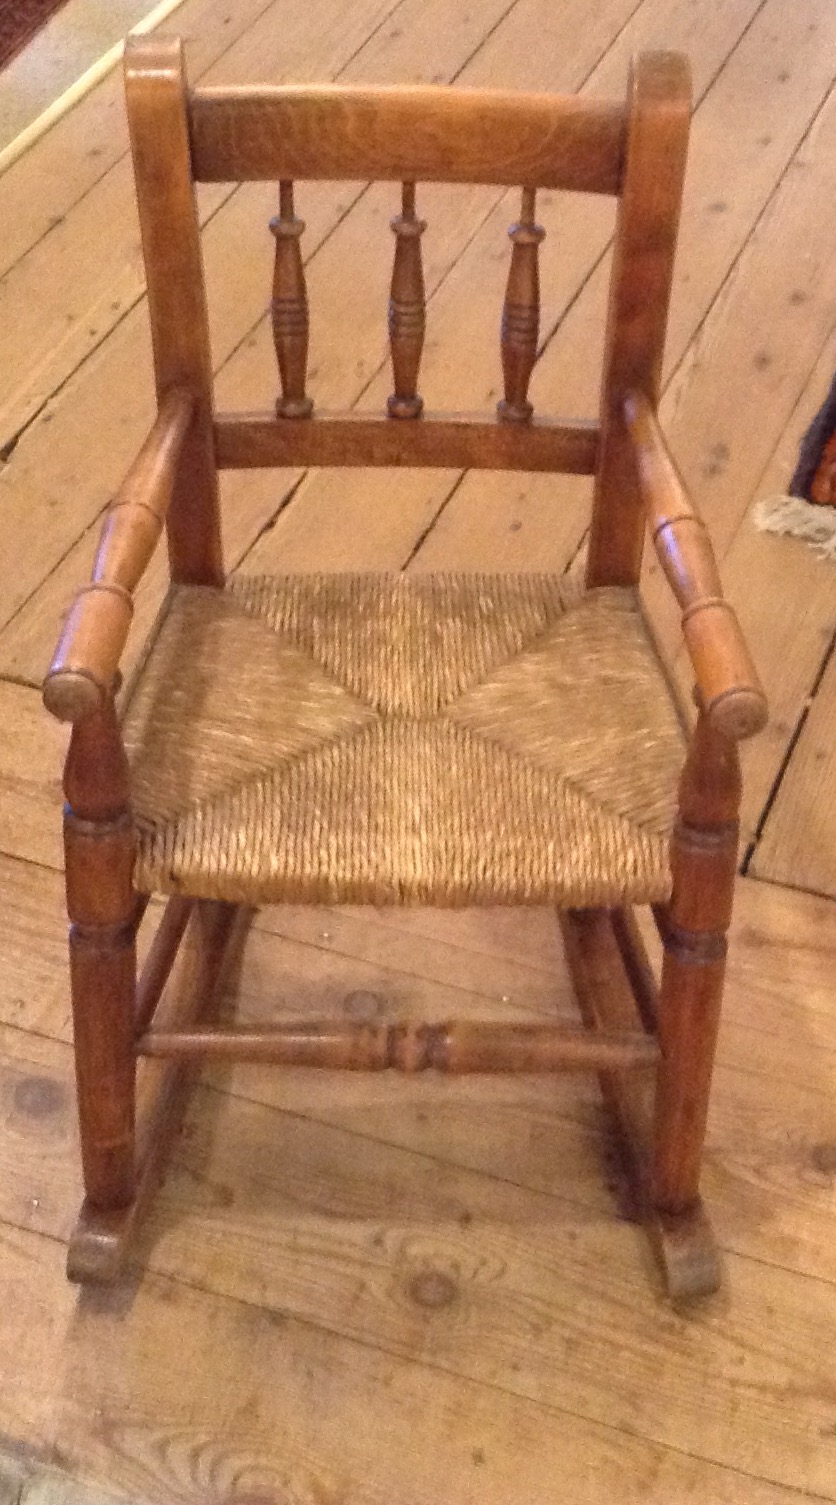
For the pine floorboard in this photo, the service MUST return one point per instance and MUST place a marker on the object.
(427, 1290)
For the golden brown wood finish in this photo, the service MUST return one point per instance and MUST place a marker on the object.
(407, 311)
(645, 241)
(156, 95)
(287, 133)
(728, 683)
(640, 975)
(455, 1048)
(83, 670)
(99, 844)
(105, 1233)
(693, 926)
(444, 441)
(290, 309)
(605, 987)
(160, 960)
(521, 314)
(408, 133)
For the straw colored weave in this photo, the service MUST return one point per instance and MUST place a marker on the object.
(451, 739)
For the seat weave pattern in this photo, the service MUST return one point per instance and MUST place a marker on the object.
(448, 739)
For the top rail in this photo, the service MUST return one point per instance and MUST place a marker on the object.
(416, 133)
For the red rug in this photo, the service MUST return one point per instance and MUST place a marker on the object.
(20, 20)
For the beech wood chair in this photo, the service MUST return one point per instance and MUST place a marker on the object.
(448, 739)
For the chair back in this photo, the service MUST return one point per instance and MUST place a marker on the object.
(634, 150)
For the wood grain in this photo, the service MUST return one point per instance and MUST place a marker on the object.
(719, 212)
(772, 1120)
(793, 642)
(417, 133)
(443, 440)
(471, 1438)
(727, 681)
(641, 279)
(458, 1048)
(798, 845)
(108, 417)
(155, 96)
(86, 661)
(80, 200)
(761, 1175)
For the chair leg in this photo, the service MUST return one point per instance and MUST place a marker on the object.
(103, 982)
(689, 1016)
(210, 935)
(694, 927)
(99, 846)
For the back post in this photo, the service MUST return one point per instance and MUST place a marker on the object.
(155, 88)
(647, 222)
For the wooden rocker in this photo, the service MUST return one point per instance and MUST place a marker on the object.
(440, 739)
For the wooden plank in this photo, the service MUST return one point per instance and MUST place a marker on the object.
(538, 522)
(424, 513)
(39, 190)
(32, 751)
(465, 964)
(546, 529)
(723, 456)
(481, 953)
(98, 239)
(424, 509)
(283, 1226)
(767, 1174)
(103, 400)
(75, 39)
(508, 1272)
(521, 1280)
(136, 1395)
(798, 844)
(786, 604)
(48, 325)
(724, 194)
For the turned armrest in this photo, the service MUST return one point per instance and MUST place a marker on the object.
(729, 689)
(84, 666)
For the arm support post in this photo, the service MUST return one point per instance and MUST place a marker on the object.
(84, 667)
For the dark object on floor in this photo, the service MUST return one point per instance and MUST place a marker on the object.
(815, 474)
(808, 509)
(437, 739)
(20, 20)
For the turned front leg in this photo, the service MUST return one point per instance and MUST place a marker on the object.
(694, 925)
(99, 844)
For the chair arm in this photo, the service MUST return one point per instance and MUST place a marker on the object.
(729, 689)
(86, 659)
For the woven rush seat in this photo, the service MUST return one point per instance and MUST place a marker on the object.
(450, 739)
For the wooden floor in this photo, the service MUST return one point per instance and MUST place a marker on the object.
(429, 1292)
(76, 36)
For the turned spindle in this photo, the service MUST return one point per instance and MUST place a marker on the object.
(86, 661)
(521, 314)
(290, 309)
(407, 309)
(728, 682)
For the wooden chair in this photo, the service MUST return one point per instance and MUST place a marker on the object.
(447, 739)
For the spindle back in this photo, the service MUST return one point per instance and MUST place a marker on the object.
(635, 150)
